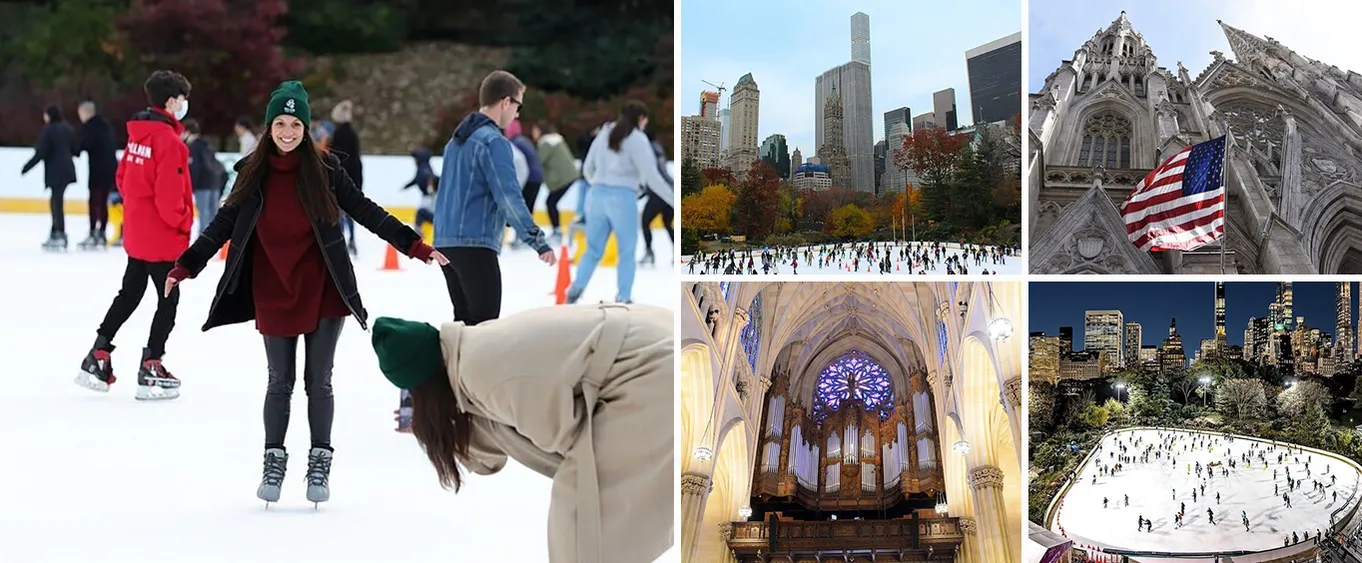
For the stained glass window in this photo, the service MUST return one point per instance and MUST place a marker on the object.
(724, 287)
(854, 377)
(751, 334)
(941, 339)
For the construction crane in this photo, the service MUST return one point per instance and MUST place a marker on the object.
(720, 88)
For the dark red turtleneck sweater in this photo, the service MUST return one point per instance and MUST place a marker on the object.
(293, 290)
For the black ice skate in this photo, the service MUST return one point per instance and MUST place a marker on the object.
(276, 462)
(556, 237)
(92, 242)
(96, 372)
(56, 242)
(648, 259)
(318, 475)
(154, 383)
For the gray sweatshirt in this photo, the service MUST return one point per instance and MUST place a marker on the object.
(634, 164)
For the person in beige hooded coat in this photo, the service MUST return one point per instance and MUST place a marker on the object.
(580, 394)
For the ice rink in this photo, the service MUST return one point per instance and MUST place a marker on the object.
(1011, 265)
(103, 477)
(1151, 489)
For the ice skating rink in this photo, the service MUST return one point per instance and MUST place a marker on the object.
(103, 477)
(1011, 265)
(1151, 488)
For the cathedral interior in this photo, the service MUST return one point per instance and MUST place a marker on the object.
(1111, 114)
(851, 422)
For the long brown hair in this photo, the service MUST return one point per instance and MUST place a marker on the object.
(630, 115)
(314, 180)
(442, 429)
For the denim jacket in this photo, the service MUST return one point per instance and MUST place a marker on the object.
(478, 193)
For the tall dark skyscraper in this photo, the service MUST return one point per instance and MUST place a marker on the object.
(995, 80)
(901, 115)
(1343, 326)
(1066, 340)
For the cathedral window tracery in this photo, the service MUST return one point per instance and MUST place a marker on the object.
(751, 334)
(1106, 142)
(854, 377)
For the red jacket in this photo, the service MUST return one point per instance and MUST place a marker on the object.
(153, 178)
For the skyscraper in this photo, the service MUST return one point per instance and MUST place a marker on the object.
(745, 102)
(777, 154)
(831, 153)
(1066, 340)
(995, 79)
(1103, 333)
(1284, 297)
(725, 117)
(852, 81)
(1172, 357)
(860, 38)
(1133, 342)
(900, 115)
(943, 105)
(709, 104)
(1343, 328)
(1221, 342)
(700, 141)
(796, 160)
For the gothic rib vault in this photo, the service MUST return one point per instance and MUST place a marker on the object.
(913, 369)
(1107, 117)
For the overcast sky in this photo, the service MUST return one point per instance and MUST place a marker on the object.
(916, 48)
(1186, 30)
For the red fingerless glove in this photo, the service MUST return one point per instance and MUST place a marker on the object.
(178, 273)
(420, 251)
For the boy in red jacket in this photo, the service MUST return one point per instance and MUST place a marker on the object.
(158, 211)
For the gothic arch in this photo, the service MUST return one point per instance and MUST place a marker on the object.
(1334, 236)
(805, 377)
(730, 485)
(697, 397)
(1142, 139)
(988, 430)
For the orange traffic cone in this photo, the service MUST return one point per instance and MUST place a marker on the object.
(222, 252)
(560, 287)
(390, 259)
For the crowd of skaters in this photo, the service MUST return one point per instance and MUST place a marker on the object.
(873, 257)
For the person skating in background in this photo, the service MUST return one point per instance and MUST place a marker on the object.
(478, 196)
(655, 207)
(245, 136)
(97, 142)
(522, 175)
(57, 149)
(288, 271)
(426, 182)
(534, 178)
(584, 143)
(619, 161)
(206, 173)
(560, 171)
(158, 214)
(345, 144)
(590, 409)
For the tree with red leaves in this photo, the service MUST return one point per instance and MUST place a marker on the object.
(718, 177)
(934, 154)
(758, 201)
(231, 57)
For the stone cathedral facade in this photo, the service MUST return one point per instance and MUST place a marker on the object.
(1112, 114)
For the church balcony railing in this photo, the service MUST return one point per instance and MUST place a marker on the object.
(911, 538)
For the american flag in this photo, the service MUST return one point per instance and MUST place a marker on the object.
(1181, 204)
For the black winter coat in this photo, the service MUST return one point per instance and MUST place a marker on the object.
(97, 142)
(235, 302)
(56, 148)
(345, 143)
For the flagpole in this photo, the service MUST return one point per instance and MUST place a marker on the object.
(1225, 201)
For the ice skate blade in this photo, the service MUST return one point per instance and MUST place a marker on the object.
(91, 382)
(153, 393)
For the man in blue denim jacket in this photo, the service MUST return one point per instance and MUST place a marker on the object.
(478, 197)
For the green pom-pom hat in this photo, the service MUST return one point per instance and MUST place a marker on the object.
(290, 98)
(408, 351)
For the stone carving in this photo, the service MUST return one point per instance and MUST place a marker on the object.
(694, 484)
(986, 476)
(1090, 244)
(740, 385)
(968, 525)
(725, 531)
(1253, 123)
(1012, 392)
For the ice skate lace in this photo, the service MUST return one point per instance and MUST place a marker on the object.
(274, 469)
(318, 469)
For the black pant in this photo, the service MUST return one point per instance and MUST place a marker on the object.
(531, 192)
(282, 355)
(130, 295)
(554, 197)
(473, 278)
(57, 204)
(651, 209)
(99, 208)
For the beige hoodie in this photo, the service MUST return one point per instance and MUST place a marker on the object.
(581, 394)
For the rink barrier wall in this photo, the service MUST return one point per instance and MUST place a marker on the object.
(1271, 555)
(384, 176)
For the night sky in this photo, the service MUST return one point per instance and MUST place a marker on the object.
(1056, 304)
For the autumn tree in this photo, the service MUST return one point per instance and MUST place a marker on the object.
(790, 207)
(934, 154)
(850, 221)
(717, 176)
(758, 198)
(232, 60)
(708, 210)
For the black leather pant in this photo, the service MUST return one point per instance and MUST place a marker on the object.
(282, 355)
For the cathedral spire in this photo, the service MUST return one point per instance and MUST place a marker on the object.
(1120, 23)
(1246, 46)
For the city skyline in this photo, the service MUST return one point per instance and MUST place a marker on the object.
(913, 54)
(1152, 305)
(1183, 30)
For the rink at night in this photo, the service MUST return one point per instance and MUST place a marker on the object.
(1151, 485)
(103, 477)
(1010, 265)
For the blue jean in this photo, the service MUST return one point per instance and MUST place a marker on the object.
(207, 202)
(610, 209)
(581, 196)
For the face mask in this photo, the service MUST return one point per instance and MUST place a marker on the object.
(183, 111)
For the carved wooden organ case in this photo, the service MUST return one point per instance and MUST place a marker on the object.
(850, 457)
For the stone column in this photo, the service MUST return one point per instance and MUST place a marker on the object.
(694, 491)
(969, 551)
(994, 533)
(725, 534)
(1012, 398)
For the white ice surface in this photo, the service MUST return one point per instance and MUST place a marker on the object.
(1151, 487)
(1011, 265)
(89, 477)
